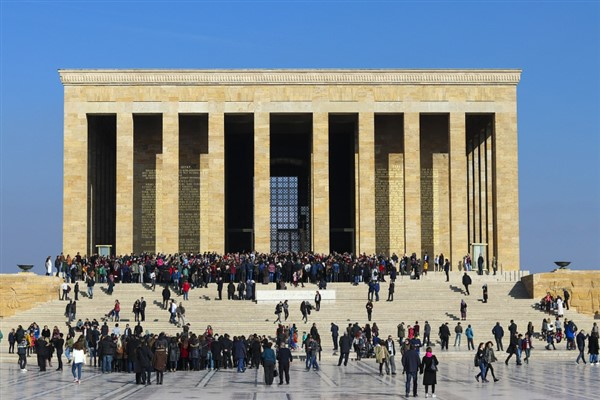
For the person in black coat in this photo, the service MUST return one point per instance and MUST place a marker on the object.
(144, 364)
(42, 352)
(466, 281)
(345, 346)
(284, 359)
(58, 343)
(216, 348)
(166, 296)
(411, 364)
(428, 369)
(444, 335)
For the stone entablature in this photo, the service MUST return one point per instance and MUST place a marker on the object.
(289, 77)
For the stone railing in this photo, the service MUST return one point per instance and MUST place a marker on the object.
(583, 287)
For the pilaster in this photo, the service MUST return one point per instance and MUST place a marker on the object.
(459, 245)
(412, 183)
(75, 191)
(320, 183)
(262, 183)
(124, 208)
(366, 182)
(507, 190)
(169, 242)
(216, 180)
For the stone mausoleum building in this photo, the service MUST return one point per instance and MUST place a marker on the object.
(364, 161)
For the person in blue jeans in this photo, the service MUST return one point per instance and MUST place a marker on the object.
(481, 363)
(78, 359)
(411, 363)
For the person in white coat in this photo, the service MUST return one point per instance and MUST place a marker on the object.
(48, 266)
(560, 310)
(78, 355)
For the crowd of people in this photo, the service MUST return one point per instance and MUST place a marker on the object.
(186, 271)
(139, 351)
(135, 350)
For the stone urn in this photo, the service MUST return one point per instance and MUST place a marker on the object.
(25, 267)
(562, 264)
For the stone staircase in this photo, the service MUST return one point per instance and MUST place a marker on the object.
(430, 298)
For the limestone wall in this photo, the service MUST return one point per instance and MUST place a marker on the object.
(22, 291)
(583, 286)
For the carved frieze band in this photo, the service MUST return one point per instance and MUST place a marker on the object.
(288, 77)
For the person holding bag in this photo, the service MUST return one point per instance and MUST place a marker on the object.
(428, 369)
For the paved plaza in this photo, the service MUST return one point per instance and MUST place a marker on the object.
(542, 379)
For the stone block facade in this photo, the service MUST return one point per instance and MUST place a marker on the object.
(410, 190)
(25, 290)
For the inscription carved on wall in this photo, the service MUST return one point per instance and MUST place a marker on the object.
(427, 210)
(189, 208)
(148, 242)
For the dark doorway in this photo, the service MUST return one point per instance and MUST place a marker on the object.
(291, 143)
(239, 175)
(343, 130)
(102, 181)
(480, 182)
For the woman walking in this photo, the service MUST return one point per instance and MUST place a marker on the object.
(480, 362)
(490, 358)
(78, 359)
(428, 369)
(268, 361)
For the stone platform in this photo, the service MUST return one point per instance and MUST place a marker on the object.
(543, 379)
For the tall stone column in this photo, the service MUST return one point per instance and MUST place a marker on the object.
(412, 183)
(366, 182)
(507, 190)
(216, 181)
(124, 209)
(459, 245)
(262, 183)
(168, 241)
(75, 191)
(320, 183)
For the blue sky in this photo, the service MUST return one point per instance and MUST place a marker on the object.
(557, 44)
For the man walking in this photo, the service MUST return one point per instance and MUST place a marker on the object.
(391, 292)
(317, 301)
(143, 309)
(345, 345)
(466, 281)
(410, 364)
(581, 338)
(427, 334)
(334, 335)
(498, 333)
(369, 308)
(458, 330)
(284, 359)
(392, 351)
